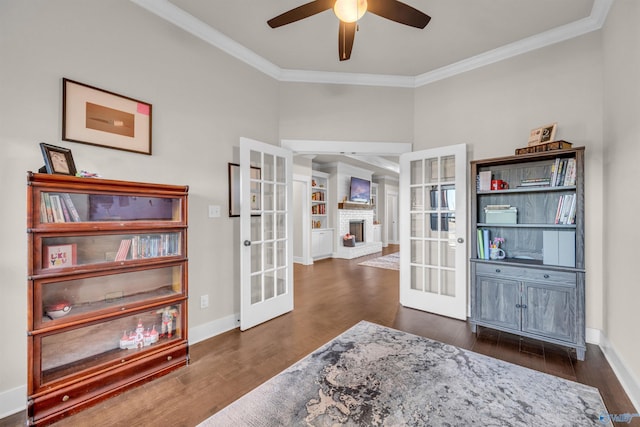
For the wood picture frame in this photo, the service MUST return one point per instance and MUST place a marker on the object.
(57, 160)
(98, 117)
(234, 189)
(543, 134)
(60, 256)
(548, 133)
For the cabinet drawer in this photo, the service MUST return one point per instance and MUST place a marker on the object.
(52, 406)
(527, 274)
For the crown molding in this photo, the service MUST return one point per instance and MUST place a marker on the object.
(171, 13)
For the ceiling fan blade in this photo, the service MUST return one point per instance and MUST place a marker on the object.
(301, 12)
(346, 34)
(398, 12)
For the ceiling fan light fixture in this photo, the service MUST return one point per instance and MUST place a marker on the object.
(350, 10)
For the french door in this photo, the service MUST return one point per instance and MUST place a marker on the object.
(266, 251)
(433, 255)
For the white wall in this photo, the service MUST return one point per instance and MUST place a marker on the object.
(345, 113)
(621, 201)
(492, 109)
(203, 101)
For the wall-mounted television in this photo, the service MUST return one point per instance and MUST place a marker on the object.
(359, 190)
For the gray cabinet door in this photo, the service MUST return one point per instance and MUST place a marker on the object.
(549, 311)
(497, 301)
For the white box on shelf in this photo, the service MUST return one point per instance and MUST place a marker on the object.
(501, 216)
(559, 247)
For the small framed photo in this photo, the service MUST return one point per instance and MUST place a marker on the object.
(57, 160)
(234, 189)
(60, 256)
(98, 117)
(542, 134)
(548, 133)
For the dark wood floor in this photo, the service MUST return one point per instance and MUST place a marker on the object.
(330, 297)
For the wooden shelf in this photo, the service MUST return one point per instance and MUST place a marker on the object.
(356, 206)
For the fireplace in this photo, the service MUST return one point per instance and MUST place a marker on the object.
(356, 229)
(358, 223)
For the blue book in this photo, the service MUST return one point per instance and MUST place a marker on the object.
(485, 238)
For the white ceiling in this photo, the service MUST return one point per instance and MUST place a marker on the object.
(462, 35)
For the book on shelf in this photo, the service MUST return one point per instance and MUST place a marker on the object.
(73, 212)
(563, 173)
(46, 199)
(486, 241)
(56, 208)
(123, 250)
(545, 146)
(484, 181)
(535, 182)
(155, 245)
(566, 210)
(483, 243)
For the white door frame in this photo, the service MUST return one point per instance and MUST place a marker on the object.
(305, 231)
(390, 226)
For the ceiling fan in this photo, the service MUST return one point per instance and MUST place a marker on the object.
(349, 12)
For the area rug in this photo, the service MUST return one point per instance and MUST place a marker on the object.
(376, 376)
(390, 262)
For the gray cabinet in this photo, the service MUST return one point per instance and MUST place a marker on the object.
(538, 289)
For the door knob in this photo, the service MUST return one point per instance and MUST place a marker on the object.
(247, 242)
(460, 240)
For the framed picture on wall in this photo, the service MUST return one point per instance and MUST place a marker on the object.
(234, 189)
(99, 117)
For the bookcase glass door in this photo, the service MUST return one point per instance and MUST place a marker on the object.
(113, 341)
(60, 207)
(433, 265)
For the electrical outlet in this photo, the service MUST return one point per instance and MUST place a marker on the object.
(204, 301)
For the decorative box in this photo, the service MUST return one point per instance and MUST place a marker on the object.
(501, 216)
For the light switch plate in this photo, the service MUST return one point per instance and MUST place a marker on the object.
(214, 211)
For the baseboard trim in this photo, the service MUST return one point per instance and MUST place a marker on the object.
(593, 336)
(13, 401)
(211, 329)
(629, 381)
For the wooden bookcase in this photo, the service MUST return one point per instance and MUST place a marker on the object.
(107, 289)
(538, 290)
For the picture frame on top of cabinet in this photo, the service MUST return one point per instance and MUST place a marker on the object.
(57, 160)
(543, 134)
(98, 117)
(234, 189)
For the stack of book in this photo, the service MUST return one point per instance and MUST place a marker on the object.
(484, 241)
(56, 207)
(566, 212)
(535, 182)
(563, 173)
(547, 146)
